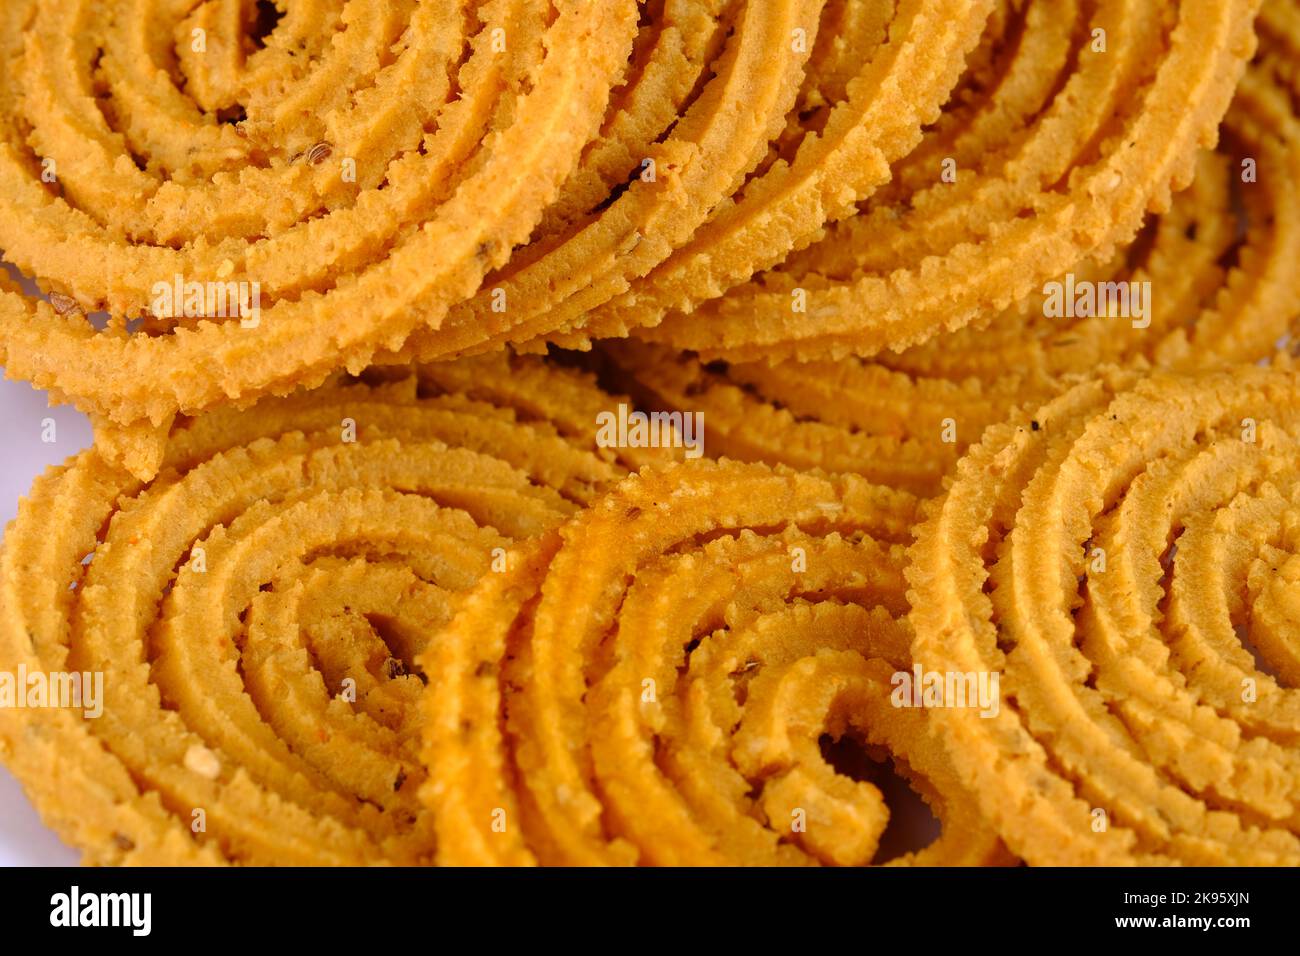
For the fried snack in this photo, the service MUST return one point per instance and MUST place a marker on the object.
(365, 584)
(1124, 558)
(1218, 263)
(650, 681)
(869, 88)
(1060, 162)
(1223, 290)
(256, 610)
(360, 164)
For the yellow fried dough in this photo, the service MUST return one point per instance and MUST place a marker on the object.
(363, 195)
(958, 453)
(255, 612)
(650, 682)
(1066, 169)
(1220, 288)
(1122, 565)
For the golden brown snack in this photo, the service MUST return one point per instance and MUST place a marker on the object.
(1090, 132)
(1123, 558)
(650, 681)
(366, 584)
(873, 82)
(1221, 288)
(326, 188)
(256, 610)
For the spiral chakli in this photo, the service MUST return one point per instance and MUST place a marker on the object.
(1071, 123)
(256, 610)
(1223, 289)
(651, 682)
(1125, 557)
(411, 180)
(802, 115)
(365, 163)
